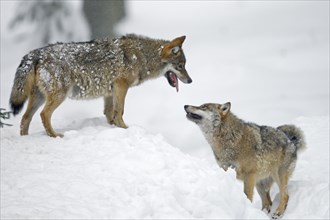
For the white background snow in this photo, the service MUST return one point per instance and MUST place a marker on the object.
(269, 58)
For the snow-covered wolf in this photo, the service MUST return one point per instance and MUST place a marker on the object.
(99, 68)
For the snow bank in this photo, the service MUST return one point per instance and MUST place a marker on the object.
(97, 171)
(101, 172)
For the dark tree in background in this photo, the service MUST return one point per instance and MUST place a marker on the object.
(103, 15)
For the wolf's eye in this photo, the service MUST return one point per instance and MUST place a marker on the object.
(203, 107)
(180, 66)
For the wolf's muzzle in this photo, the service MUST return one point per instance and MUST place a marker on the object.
(190, 115)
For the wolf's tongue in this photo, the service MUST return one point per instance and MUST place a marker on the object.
(175, 81)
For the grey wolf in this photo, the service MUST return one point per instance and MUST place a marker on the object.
(86, 70)
(260, 155)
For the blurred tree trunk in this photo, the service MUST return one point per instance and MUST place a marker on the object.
(102, 15)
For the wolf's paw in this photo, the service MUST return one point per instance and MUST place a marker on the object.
(276, 215)
(55, 134)
(120, 124)
(22, 133)
(59, 135)
(266, 209)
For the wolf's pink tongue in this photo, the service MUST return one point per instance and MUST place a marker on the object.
(175, 80)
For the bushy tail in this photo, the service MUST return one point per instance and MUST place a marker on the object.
(23, 82)
(295, 135)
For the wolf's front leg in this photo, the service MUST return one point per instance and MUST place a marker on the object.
(120, 88)
(108, 108)
(249, 183)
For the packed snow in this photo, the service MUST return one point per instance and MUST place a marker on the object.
(270, 59)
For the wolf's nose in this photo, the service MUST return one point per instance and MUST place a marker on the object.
(185, 107)
(189, 80)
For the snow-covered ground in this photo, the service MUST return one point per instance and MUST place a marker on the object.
(97, 172)
(270, 59)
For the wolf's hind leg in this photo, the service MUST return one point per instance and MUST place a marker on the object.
(52, 102)
(108, 108)
(282, 181)
(263, 188)
(36, 99)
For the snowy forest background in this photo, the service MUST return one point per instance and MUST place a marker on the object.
(269, 58)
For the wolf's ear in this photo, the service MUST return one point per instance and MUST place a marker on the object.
(178, 41)
(172, 48)
(225, 108)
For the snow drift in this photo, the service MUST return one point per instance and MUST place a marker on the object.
(98, 171)
(102, 172)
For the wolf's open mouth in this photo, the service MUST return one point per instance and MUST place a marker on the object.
(193, 116)
(172, 79)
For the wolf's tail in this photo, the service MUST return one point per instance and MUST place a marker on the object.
(23, 82)
(295, 135)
